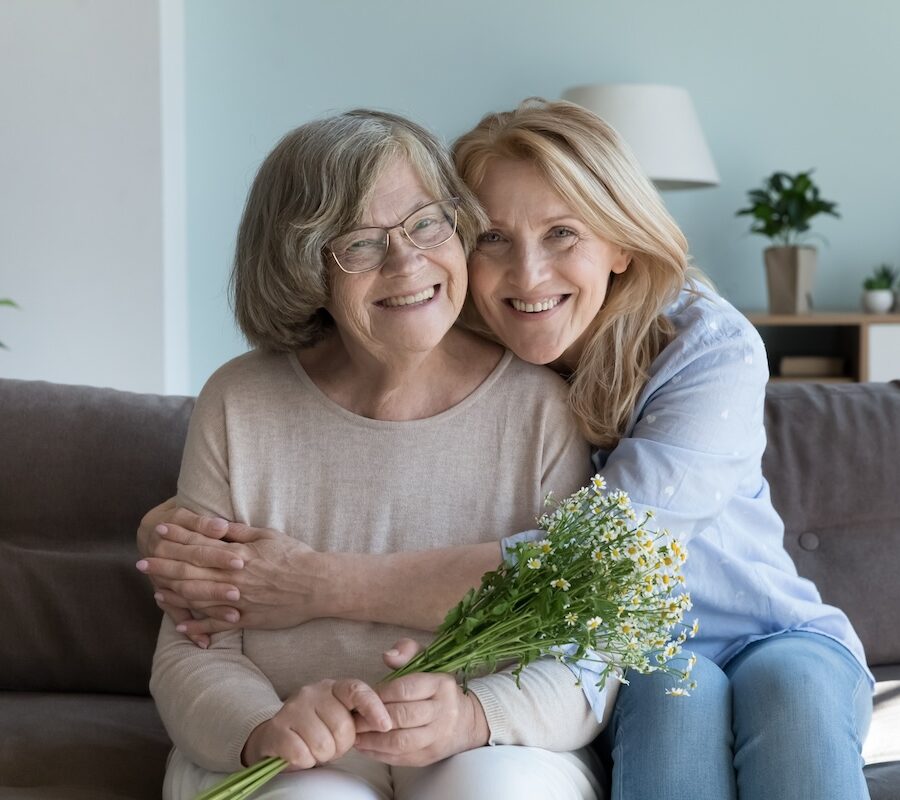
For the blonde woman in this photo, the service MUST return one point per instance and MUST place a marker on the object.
(583, 269)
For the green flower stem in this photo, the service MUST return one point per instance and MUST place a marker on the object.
(262, 778)
(240, 781)
(445, 652)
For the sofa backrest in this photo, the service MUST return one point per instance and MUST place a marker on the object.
(79, 467)
(833, 463)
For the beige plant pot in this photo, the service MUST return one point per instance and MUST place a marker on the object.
(790, 274)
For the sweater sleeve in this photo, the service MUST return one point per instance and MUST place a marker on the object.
(550, 709)
(209, 700)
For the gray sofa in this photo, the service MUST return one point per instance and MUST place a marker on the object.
(79, 466)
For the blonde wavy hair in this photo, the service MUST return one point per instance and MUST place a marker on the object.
(586, 162)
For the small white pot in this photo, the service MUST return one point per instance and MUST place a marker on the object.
(878, 301)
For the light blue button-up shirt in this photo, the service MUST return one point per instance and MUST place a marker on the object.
(692, 452)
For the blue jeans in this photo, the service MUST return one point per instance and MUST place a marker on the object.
(785, 720)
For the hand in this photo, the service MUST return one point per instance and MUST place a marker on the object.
(149, 543)
(316, 724)
(431, 717)
(256, 578)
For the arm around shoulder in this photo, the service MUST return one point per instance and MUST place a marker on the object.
(697, 438)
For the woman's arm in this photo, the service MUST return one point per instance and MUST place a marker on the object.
(282, 582)
(222, 712)
(209, 700)
(698, 439)
(432, 718)
(547, 709)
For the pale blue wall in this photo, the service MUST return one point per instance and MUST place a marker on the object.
(777, 84)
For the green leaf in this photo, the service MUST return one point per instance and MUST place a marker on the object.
(453, 617)
(785, 204)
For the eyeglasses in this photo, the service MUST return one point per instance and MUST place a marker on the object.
(365, 249)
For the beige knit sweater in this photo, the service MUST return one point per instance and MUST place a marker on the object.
(268, 448)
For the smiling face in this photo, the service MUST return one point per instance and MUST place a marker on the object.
(539, 275)
(408, 304)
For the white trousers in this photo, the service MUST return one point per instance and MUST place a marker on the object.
(486, 773)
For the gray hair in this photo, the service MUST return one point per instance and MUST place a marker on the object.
(315, 184)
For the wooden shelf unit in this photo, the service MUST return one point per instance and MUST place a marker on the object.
(843, 334)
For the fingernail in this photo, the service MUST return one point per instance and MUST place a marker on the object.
(218, 524)
(231, 616)
(232, 594)
(237, 563)
(143, 565)
(162, 530)
(392, 653)
(181, 628)
(202, 644)
(158, 597)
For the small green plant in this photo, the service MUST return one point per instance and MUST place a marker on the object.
(882, 277)
(784, 205)
(5, 301)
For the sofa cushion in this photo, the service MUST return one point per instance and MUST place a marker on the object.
(96, 747)
(883, 743)
(82, 465)
(883, 781)
(831, 461)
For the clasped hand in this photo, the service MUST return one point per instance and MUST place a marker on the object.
(213, 567)
(412, 721)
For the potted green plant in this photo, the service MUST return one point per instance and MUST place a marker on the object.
(5, 301)
(781, 210)
(878, 290)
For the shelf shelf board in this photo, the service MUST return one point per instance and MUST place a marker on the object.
(811, 379)
(814, 318)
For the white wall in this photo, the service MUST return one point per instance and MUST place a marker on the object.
(81, 222)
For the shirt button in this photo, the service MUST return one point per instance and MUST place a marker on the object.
(809, 541)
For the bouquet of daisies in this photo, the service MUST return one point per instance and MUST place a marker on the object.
(601, 586)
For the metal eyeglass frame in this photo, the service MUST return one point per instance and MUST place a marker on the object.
(454, 201)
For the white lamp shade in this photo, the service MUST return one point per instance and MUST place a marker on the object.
(661, 127)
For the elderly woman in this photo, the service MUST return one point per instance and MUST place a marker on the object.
(367, 420)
